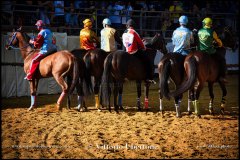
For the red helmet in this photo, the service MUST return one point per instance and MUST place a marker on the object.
(40, 23)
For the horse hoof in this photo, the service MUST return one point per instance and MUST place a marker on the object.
(99, 110)
(179, 116)
(121, 108)
(30, 108)
(189, 112)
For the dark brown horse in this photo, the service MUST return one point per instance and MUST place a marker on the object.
(57, 65)
(94, 60)
(120, 65)
(171, 66)
(202, 67)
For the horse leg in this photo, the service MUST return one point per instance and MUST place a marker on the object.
(138, 95)
(190, 100)
(210, 89)
(177, 106)
(120, 91)
(196, 103)
(224, 94)
(60, 80)
(115, 94)
(146, 103)
(96, 92)
(69, 80)
(160, 102)
(80, 97)
(33, 90)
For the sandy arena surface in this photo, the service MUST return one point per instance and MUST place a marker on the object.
(129, 134)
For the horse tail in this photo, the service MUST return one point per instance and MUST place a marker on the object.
(165, 69)
(191, 64)
(87, 82)
(105, 90)
(75, 75)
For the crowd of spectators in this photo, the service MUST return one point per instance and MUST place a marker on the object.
(70, 13)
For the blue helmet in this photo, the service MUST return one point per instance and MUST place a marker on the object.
(183, 20)
(107, 21)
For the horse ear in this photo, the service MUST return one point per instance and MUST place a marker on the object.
(19, 29)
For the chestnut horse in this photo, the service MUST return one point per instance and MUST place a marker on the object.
(171, 66)
(202, 67)
(120, 65)
(57, 65)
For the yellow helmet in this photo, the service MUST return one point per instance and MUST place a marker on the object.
(87, 23)
(207, 22)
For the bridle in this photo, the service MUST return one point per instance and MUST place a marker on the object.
(13, 38)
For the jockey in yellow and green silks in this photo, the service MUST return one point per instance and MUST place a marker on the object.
(206, 36)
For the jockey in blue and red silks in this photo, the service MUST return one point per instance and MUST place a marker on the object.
(45, 42)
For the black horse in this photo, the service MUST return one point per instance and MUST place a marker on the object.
(201, 67)
(94, 60)
(120, 65)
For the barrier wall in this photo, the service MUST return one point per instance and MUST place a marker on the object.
(12, 74)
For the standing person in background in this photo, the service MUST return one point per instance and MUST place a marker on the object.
(109, 37)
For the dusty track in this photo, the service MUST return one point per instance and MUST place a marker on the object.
(129, 134)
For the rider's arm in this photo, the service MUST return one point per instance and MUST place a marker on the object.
(38, 42)
(215, 37)
(139, 41)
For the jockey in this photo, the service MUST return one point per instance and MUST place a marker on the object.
(182, 37)
(45, 42)
(88, 38)
(135, 46)
(109, 36)
(206, 37)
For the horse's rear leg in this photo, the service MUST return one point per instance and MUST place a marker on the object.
(33, 89)
(60, 80)
(69, 80)
(177, 106)
(139, 95)
(224, 94)
(160, 102)
(120, 91)
(115, 95)
(96, 92)
(190, 99)
(146, 103)
(196, 103)
(81, 98)
(210, 89)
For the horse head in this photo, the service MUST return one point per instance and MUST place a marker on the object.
(158, 43)
(17, 39)
(228, 37)
(195, 38)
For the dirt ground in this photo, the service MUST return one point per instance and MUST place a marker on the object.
(129, 134)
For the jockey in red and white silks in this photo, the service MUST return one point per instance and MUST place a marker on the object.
(132, 41)
(44, 42)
